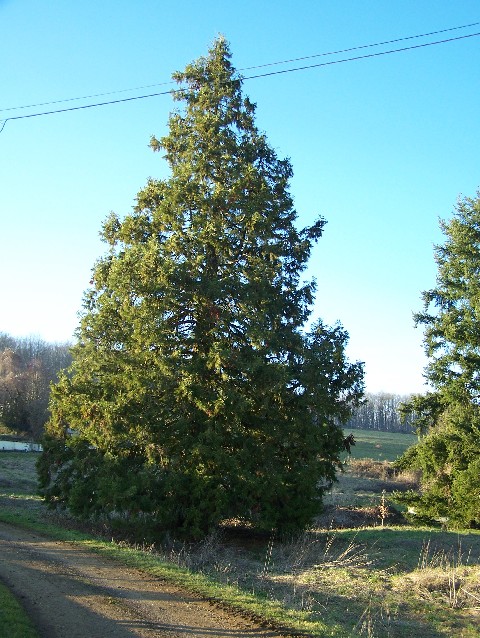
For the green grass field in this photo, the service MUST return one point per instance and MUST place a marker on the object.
(380, 446)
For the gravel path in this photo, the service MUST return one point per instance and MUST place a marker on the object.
(72, 593)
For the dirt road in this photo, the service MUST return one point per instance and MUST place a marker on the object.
(72, 593)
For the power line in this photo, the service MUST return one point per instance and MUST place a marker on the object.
(85, 106)
(251, 77)
(361, 57)
(83, 97)
(363, 46)
(248, 68)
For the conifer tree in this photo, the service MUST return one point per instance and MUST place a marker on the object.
(448, 416)
(195, 395)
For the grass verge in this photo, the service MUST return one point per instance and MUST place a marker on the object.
(14, 622)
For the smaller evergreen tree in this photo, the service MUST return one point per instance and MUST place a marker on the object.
(448, 417)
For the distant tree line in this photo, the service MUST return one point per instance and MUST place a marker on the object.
(380, 411)
(27, 367)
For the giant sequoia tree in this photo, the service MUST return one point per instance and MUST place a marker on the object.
(194, 394)
(448, 417)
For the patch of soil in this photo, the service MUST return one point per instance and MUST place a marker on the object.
(70, 592)
(334, 517)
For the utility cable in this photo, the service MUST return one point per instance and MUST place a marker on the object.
(363, 46)
(84, 97)
(85, 106)
(248, 68)
(361, 57)
(251, 77)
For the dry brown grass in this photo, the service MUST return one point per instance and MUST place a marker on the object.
(384, 471)
(446, 577)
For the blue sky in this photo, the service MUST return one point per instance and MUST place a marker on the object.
(381, 147)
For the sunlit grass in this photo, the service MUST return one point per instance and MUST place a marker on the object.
(380, 446)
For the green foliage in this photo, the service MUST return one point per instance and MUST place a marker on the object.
(448, 418)
(194, 393)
